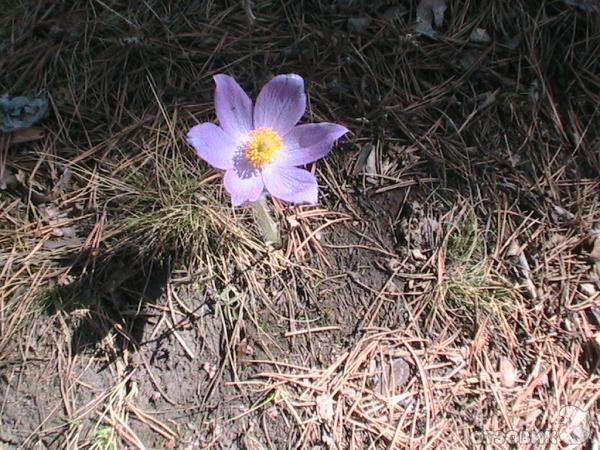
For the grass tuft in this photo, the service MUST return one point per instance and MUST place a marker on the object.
(472, 278)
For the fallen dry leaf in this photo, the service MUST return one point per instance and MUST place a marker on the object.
(358, 24)
(371, 166)
(272, 413)
(393, 375)
(325, 407)
(66, 242)
(428, 11)
(418, 255)
(26, 135)
(595, 253)
(588, 289)
(7, 178)
(361, 160)
(210, 370)
(584, 5)
(245, 349)
(575, 427)
(508, 373)
(480, 36)
(561, 214)
(517, 258)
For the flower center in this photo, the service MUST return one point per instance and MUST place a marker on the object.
(264, 143)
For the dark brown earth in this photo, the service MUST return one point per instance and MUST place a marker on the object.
(445, 288)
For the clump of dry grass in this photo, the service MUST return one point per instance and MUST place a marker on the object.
(473, 277)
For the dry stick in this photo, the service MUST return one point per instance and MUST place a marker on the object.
(180, 340)
(266, 432)
(496, 392)
(356, 404)
(322, 227)
(171, 324)
(303, 437)
(155, 382)
(406, 183)
(376, 244)
(156, 425)
(282, 364)
(426, 390)
(311, 330)
(125, 432)
(380, 299)
(230, 356)
(400, 426)
(63, 389)
(362, 247)
(179, 301)
(286, 379)
(291, 409)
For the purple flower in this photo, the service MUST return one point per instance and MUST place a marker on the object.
(259, 148)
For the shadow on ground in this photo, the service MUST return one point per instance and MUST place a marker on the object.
(114, 290)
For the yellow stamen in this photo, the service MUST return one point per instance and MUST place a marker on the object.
(264, 143)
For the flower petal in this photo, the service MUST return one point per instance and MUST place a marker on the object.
(309, 142)
(233, 106)
(243, 183)
(281, 103)
(213, 145)
(291, 184)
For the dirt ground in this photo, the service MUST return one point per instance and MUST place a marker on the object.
(444, 294)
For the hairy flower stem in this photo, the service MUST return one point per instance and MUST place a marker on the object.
(267, 225)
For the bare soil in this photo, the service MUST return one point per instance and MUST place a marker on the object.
(444, 294)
